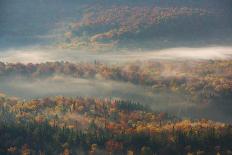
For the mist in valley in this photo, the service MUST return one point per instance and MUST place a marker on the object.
(41, 54)
(177, 104)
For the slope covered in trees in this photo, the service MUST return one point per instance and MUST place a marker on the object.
(148, 24)
(104, 24)
(102, 126)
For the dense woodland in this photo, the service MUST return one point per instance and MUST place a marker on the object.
(103, 126)
(144, 25)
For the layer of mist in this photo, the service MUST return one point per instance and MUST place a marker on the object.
(174, 103)
(38, 54)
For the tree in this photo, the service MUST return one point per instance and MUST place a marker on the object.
(25, 150)
(146, 151)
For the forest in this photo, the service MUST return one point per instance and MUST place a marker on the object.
(103, 126)
(107, 27)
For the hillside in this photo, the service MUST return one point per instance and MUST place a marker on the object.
(103, 24)
(96, 126)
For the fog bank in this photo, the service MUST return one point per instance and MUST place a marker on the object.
(173, 103)
(38, 54)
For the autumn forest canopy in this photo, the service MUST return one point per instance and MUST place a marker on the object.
(115, 77)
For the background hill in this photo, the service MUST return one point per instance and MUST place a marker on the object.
(106, 23)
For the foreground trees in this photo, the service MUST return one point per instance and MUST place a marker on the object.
(65, 128)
